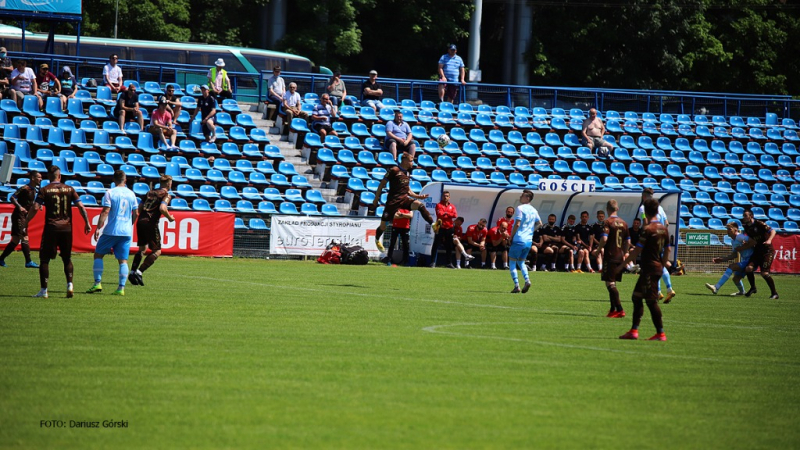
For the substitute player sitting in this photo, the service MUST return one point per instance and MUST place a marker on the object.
(476, 240)
(498, 240)
(615, 241)
(400, 196)
(458, 236)
(737, 269)
(151, 209)
(654, 247)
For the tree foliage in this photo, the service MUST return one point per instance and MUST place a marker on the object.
(708, 45)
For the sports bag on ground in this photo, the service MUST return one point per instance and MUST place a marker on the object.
(355, 255)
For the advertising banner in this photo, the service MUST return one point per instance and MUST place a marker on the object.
(787, 259)
(304, 235)
(192, 233)
(44, 6)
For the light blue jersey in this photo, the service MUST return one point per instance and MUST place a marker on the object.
(122, 202)
(740, 240)
(527, 217)
(661, 217)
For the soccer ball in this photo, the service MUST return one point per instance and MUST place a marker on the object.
(443, 140)
(603, 152)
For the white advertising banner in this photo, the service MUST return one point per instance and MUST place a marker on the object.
(474, 203)
(304, 235)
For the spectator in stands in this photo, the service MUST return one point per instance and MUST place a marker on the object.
(321, 116)
(476, 240)
(400, 228)
(398, 136)
(6, 67)
(218, 82)
(337, 89)
(48, 85)
(277, 88)
(292, 104)
(451, 71)
(23, 82)
(173, 102)
(444, 229)
(161, 126)
(112, 75)
(593, 131)
(372, 92)
(498, 240)
(128, 108)
(69, 86)
(207, 108)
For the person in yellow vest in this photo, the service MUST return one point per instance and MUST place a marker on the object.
(218, 82)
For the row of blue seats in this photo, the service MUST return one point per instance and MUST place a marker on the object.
(771, 119)
(721, 212)
(697, 223)
(263, 207)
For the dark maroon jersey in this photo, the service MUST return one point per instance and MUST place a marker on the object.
(616, 232)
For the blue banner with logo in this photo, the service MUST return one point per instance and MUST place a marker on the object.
(45, 6)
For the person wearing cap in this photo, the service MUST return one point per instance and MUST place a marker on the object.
(451, 71)
(128, 108)
(337, 89)
(48, 84)
(69, 86)
(112, 75)
(277, 88)
(218, 82)
(6, 67)
(207, 108)
(398, 136)
(161, 126)
(372, 92)
(292, 103)
(23, 82)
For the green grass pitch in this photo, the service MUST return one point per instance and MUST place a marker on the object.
(237, 353)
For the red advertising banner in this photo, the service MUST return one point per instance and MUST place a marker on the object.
(787, 253)
(192, 233)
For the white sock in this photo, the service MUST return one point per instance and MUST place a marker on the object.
(493, 266)
(69, 286)
(458, 263)
(600, 267)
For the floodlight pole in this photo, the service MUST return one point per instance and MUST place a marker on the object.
(116, 17)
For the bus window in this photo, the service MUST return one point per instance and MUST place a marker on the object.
(158, 55)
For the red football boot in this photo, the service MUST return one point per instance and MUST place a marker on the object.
(658, 337)
(633, 334)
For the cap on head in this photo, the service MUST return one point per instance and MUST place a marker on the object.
(44, 66)
(219, 62)
(373, 72)
(204, 87)
(3, 50)
(162, 102)
(452, 47)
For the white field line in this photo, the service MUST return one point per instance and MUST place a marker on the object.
(437, 329)
(383, 296)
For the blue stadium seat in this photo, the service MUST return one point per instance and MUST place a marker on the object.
(288, 208)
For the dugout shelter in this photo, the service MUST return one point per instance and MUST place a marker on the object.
(562, 199)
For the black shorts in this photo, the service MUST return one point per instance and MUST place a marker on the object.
(470, 247)
(762, 258)
(647, 284)
(400, 147)
(496, 248)
(608, 271)
(19, 226)
(52, 242)
(148, 235)
(322, 126)
(391, 208)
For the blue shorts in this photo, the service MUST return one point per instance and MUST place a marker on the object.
(519, 250)
(741, 265)
(121, 245)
